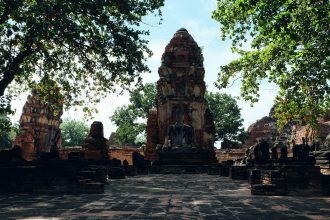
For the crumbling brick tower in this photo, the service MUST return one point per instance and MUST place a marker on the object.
(181, 86)
(39, 127)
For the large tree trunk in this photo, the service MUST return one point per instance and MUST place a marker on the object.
(13, 68)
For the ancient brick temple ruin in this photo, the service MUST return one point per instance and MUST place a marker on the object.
(266, 128)
(180, 90)
(39, 127)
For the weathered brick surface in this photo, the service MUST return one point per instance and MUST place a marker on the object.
(263, 128)
(229, 154)
(166, 197)
(53, 177)
(290, 179)
(268, 183)
(254, 176)
(326, 185)
(238, 172)
(96, 146)
(152, 135)
(266, 128)
(306, 131)
(39, 127)
(181, 86)
(121, 154)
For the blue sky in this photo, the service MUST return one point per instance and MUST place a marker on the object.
(195, 16)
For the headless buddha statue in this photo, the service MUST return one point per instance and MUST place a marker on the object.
(179, 135)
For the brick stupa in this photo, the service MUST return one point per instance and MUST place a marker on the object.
(39, 127)
(181, 88)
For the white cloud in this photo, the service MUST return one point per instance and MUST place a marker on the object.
(203, 35)
(157, 47)
(208, 5)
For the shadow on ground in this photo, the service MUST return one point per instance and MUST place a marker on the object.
(166, 197)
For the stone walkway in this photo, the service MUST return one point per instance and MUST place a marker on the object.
(166, 197)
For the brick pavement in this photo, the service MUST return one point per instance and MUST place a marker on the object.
(166, 197)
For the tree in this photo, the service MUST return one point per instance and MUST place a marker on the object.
(86, 46)
(290, 46)
(226, 116)
(8, 131)
(4, 132)
(131, 119)
(74, 132)
(5, 123)
(128, 128)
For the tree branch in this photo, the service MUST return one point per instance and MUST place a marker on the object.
(13, 68)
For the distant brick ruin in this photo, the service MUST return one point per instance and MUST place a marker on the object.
(181, 87)
(39, 127)
(266, 128)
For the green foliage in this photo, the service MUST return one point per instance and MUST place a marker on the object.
(227, 117)
(49, 92)
(5, 107)
(5, 110)
(74, 132)
(290, 47)
(130, 119)
(5, 123)
(127, 133)
(8, 131)
(86, 46)
(143, 98)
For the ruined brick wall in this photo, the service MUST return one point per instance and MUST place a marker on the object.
(122, 154)
(306, 131)
(181, 86)
(39, 127)
(229, 154)
(152, 135)
(64, 152)
(266, 128)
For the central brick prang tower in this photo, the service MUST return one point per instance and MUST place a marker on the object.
(181, 87)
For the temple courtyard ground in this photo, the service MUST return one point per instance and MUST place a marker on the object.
(166, 197)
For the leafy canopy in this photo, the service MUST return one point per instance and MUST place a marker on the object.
(8, 131)
(131, 119)
(290, 46)
(88, 46)
(74, 132)
(226, 116)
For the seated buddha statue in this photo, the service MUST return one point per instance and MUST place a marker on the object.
(179, 135)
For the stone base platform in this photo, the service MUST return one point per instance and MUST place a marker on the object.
(180, 169)
(52, 177)
(326, 185)
(186, 157)
(238, 172)
(301, 180)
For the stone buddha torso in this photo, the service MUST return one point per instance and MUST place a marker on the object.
(179, 135)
